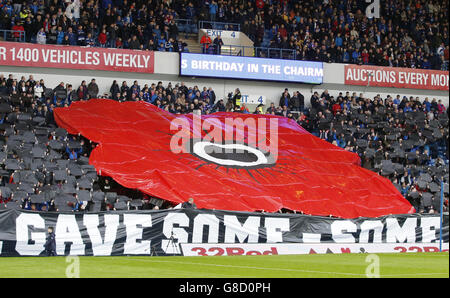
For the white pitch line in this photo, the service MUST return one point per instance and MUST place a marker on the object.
(292, 270)
(251, 267)
(414, 274)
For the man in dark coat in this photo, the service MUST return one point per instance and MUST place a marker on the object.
(92, 89)
(189, 204)
(285, 98)
(50, 244)
(297, 102)
(82, 91)
(218, 43)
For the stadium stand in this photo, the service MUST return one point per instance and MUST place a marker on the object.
(44, 168)
(115, 24)
(407, 34)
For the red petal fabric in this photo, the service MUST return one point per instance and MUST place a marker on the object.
(310, 175)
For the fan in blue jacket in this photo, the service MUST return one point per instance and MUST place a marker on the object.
(73, 154)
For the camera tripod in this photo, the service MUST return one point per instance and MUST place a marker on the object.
(154, 250)
(174, 242)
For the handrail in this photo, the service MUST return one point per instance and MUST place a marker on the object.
(186, 25)
(219, 25)
(15, 35)
(187, 21)
(249, 51)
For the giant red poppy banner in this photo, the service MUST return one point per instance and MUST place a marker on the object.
(376, 76)
(89, 58)
(228, 161)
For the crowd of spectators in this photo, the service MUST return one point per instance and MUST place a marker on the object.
(411, 34)
(403, 139)
(141, 25)
(408, 33)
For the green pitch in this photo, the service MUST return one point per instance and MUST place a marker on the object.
(398, 265)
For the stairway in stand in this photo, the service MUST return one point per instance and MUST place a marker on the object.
(192, 42)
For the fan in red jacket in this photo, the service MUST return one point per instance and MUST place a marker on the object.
(18, 28)
(102, 37)
(205, 41)
(260, 4)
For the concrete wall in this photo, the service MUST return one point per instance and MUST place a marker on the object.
(167, 69)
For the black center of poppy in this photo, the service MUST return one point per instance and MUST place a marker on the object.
(220, 153)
